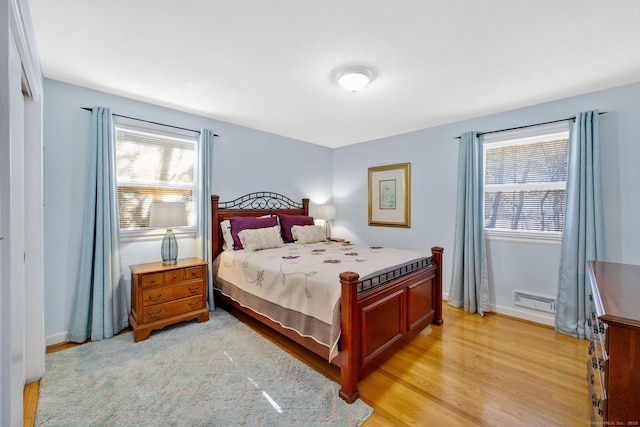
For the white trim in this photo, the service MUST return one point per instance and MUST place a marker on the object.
(150, 234)
(551, 237)
(22, 28)
(530, 316)
(528, 186)
(59, 338)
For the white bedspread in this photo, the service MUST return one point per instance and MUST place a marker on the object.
(304, 280)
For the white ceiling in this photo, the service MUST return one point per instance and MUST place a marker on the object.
(267, 64)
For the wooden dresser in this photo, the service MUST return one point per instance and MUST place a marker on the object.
(165, 294)
(613, 367)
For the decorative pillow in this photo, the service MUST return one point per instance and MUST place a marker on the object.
(308, 233)
(225, 226)
(261, 238)
(288, 221)
(239, 223)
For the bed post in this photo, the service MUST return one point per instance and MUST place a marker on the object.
(436, 254)
(350, 346)
(305, 206)
(216, 244)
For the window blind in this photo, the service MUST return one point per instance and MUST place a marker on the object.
(152, 167)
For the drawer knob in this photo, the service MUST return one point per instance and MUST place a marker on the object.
(157, 297)
(175, 275)
(194, 304)
(195, 289)
(193, 273)
(152, 314)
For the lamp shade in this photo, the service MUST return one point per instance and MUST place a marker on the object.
(168, 214)
(326, 212)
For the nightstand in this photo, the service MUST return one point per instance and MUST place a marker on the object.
(162, 295)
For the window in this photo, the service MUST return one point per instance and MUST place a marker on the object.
(525, 174)
(155, 163)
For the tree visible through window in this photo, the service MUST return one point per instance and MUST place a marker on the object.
(525, 176)
(153, 166)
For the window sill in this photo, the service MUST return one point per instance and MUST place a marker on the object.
(523, 236)
(141, 235)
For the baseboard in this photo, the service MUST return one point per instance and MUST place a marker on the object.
(60, 338)
(547, 319)
(542, 318)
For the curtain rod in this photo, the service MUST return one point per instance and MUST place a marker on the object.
(528, 126)
(149, 121)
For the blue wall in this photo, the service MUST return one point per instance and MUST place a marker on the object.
(513, 265)
(245, 160)
(248, 160)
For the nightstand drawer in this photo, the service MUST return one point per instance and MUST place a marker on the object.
(193, 273)
(168, 309)
(173, 276)
(171, 293)
(151, 280)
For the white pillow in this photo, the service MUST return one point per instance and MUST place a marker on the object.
(261, 238)
(225, 226)
(308, 234)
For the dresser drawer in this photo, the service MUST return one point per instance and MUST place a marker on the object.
(596, 396)
(168, 309)
(171, 293)
(193, 273)
(173, 276)
(614, 363)
(149, 280)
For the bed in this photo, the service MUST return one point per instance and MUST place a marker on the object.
(377, 313)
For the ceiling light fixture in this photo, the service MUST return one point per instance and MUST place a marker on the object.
(354, 77)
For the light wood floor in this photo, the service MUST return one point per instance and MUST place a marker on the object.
(492, 370)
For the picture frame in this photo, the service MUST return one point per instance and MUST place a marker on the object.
(390, 195)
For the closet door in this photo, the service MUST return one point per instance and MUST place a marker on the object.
(12, 196)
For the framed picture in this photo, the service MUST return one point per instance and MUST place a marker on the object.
(390, 195)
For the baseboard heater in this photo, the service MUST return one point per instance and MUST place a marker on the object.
(536, 302)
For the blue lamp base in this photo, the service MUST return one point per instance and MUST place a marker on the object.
(169, 248)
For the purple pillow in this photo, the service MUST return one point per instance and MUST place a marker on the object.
(288, 221)
(239, 223)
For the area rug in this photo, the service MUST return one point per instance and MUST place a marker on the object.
(217, 373)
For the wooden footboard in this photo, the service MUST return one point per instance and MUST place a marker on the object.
(377, 322)
(378, 316)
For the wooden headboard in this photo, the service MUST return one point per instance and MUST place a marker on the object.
(253, 204)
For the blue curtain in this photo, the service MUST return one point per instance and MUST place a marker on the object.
(470, 284)
(100, 305)
(583, 236)
(205, 163)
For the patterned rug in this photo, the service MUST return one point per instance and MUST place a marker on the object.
(218, 373)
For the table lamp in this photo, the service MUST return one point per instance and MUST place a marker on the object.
(327, 212)
(168, 214)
